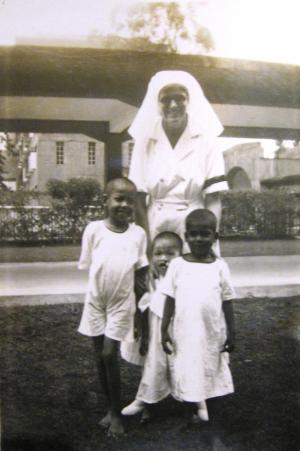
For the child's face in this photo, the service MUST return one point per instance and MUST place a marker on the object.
(164, 250)
(200, 238)
(120, 205)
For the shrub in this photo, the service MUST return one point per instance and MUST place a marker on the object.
(56, 189)
(268, 214)
(245, 215)
(76, 192)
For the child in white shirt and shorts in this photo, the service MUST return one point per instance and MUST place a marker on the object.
(112, 249)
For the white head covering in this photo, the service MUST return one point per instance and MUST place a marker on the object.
(201, 117)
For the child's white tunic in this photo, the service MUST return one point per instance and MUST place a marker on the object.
(199, 369)
(176, 180)
(112, 259)
(155, 381)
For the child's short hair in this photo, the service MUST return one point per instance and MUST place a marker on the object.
(203, 216)
(115, 183)
(172, 236)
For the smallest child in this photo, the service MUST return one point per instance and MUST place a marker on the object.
(155, 381)
(112, 249)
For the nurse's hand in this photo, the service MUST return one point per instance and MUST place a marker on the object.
(229, 344)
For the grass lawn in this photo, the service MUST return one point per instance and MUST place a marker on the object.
(69, 252)
(51, 399)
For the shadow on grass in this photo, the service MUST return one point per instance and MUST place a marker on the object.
(51, 397)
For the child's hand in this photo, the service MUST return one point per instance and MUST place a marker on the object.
(137, 325)
(229, 344)
(144, 346)
(167, 343)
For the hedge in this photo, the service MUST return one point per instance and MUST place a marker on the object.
(266, 215)
(45, 224)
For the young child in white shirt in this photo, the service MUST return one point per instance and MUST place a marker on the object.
(113, 249)
(155, 381)
(199, 301)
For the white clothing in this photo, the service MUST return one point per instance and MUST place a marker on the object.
(202, 117)
(176, 179)
(155, 381)
(112, 259)
(198, 368)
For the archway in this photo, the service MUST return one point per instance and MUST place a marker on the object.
(238, 179)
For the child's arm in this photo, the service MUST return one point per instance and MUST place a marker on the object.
(229, 318)
(144, 332)
(86, 247)
(140, 288)
(169, 310)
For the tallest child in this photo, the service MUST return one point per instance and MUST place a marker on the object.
(112, 249)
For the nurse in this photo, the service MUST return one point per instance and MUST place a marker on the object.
(175, 163)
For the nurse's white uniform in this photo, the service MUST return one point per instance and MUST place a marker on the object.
(199, 370)
(176, 179)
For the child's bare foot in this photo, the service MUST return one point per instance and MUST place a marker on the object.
(146, 416)
(132, 409)
(116, 427)
(105, 422)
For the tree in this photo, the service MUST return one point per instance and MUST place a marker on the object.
(167, 24)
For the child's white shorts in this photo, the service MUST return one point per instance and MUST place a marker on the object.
(114, 320)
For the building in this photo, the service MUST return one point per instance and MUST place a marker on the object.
(247, 168)
(62, 156)
(43, 156)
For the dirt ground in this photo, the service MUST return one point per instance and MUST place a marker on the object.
(51, 398)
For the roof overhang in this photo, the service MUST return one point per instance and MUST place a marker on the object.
(48, 87)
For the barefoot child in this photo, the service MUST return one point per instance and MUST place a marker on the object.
(112, 249)
(199, 294)
(154, 385)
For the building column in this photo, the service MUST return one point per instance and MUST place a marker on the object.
(113, 155)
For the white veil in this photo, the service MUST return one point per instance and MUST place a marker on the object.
(201, 117)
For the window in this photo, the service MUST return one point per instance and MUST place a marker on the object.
(60, 152)
(91, 153)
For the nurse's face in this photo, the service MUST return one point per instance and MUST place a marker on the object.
(173, 100)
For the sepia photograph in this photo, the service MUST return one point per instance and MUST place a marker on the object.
(149, 225)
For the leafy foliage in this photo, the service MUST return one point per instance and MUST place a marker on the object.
(2, 161)
(167, 24)
(76, 192)
(44, 224)
(71, 204)
(267, 214)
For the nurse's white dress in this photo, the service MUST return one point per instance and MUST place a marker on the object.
(199, 370)
(176, 179)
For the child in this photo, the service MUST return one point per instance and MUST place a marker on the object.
(199, 295)
(112, 249)
(154, 385)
